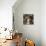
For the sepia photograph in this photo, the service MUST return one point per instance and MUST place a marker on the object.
(28, 19)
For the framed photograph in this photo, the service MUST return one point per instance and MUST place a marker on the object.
(28, 19)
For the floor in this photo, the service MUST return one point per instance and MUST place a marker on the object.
(16, 41)
(9, 43)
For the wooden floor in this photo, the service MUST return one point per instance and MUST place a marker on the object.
(9, 43)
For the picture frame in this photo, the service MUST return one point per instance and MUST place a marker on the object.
(28, 19)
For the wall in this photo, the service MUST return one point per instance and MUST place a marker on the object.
(43, 22)
(29, 31)
(6, 13)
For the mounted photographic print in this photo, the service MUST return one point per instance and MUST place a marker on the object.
(28, 19)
